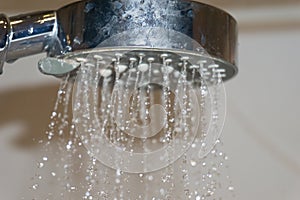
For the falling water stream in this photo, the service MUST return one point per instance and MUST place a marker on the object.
(146, 129)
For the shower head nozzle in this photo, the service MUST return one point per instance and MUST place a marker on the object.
(188, 27)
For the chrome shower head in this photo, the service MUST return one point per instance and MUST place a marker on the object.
(148, 94)
(179, 29)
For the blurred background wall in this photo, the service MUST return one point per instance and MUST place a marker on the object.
(261, 134)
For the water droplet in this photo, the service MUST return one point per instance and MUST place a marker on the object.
(60, 92)
(54, 114)
(143, 67)
(122, 68)
(35, 186)
(69, 145)
(106, 72)
(118, 172)
(40, 165)
(150, 178)
(166, 178)
(231, 188)
(72, 188)
(187, 192)
(193, 163)
(162, 191)
(87, 193)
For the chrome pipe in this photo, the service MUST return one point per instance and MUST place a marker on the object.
(26, 35)
(31, 34)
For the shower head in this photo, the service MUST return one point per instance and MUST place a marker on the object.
(123, 31)
(148, 89)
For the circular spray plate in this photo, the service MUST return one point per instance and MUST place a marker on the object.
(70, 62)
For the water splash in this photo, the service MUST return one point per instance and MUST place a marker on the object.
(113, 105)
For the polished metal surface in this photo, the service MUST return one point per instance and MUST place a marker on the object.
(4, 38)
(31, 34)
(121, 60)
(26, 35)
(88, 24)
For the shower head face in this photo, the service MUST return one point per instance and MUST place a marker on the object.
(123, 59)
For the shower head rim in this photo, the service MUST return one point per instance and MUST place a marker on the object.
(84, 56)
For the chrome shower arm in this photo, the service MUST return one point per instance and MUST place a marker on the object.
(4, 39)
(26, 35)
